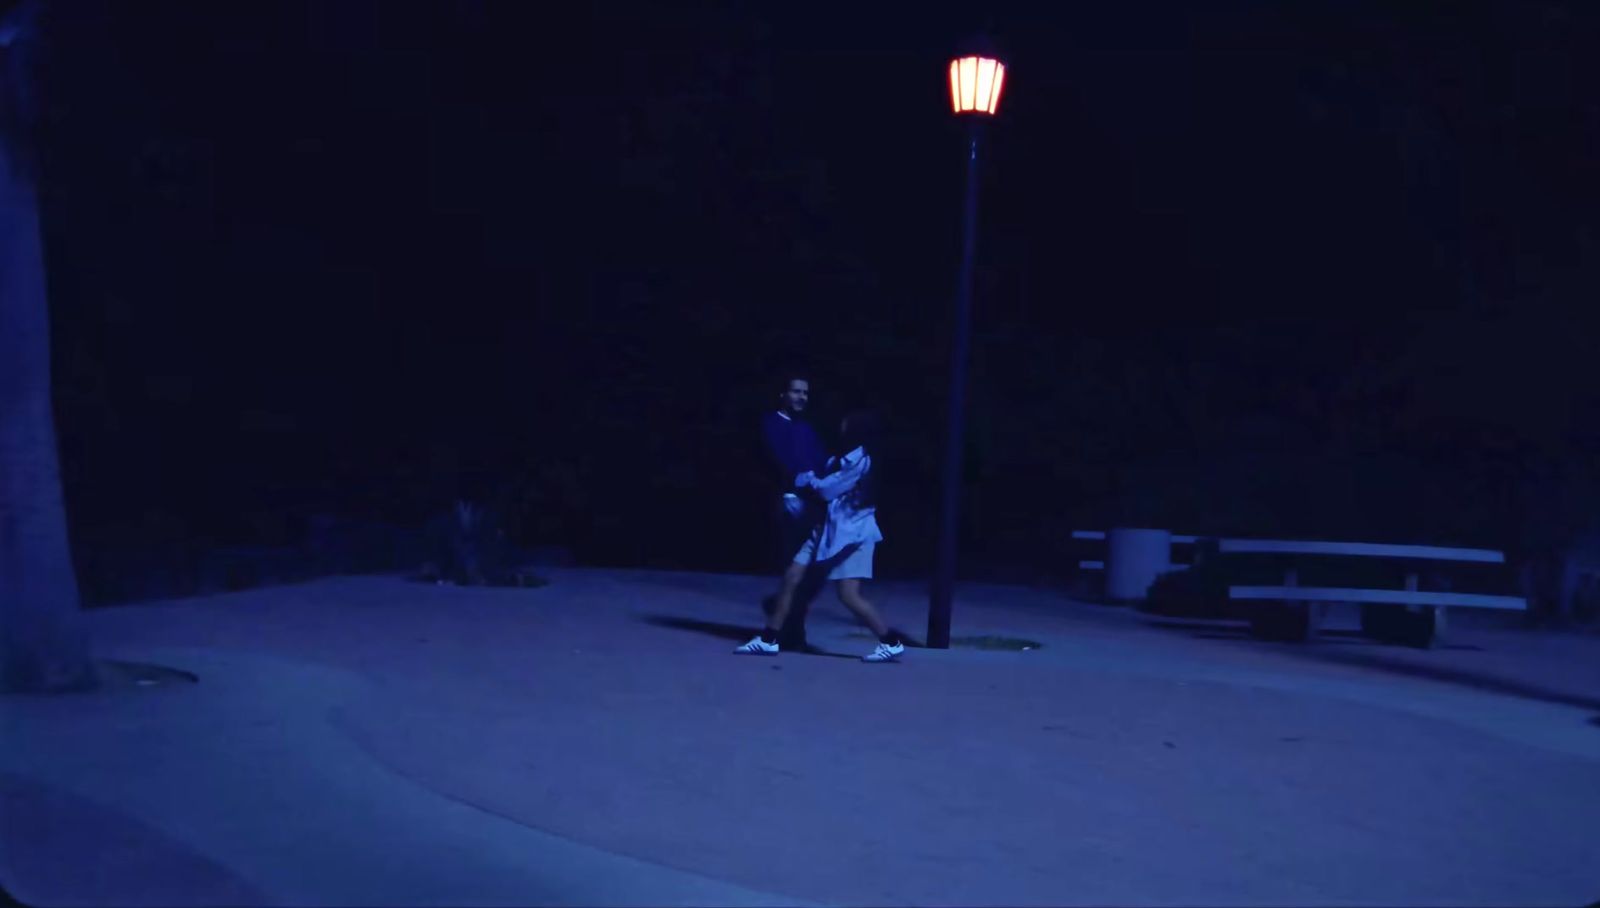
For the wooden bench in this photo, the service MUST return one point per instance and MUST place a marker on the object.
(1304, 607)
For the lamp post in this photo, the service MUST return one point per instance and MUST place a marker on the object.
(975, 83)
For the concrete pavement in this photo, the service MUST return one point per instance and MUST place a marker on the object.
(372, 741)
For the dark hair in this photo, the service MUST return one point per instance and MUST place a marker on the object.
(861, 430)
(790, 378)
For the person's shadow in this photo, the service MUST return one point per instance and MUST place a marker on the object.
(737, 633)
(789, 635)
(794, 626)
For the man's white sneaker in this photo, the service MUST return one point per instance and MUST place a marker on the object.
(757, 647)
(885, 652)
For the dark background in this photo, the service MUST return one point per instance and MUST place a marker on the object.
(1326, 270)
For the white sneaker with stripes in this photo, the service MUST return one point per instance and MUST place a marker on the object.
(885, 652)
(757, 647)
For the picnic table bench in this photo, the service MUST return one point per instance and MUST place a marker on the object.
(1303, 608)
(1292, 610)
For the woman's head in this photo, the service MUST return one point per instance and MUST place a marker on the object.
(860, 430)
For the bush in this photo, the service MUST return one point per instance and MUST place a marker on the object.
(470, 549)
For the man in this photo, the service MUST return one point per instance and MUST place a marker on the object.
(841, 546)
(792, 449)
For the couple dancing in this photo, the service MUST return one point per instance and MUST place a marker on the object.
(828, 520)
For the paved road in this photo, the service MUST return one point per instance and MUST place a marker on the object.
(369, 741)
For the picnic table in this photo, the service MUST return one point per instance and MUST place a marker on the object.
(1410, 614)
(1293, 610)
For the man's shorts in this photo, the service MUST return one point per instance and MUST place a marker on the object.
(790, 530)
(853, 563)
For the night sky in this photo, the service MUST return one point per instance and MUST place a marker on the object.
(1316, 269)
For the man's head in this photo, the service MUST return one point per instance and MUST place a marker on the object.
(795, 395)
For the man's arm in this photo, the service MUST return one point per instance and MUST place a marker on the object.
(812, 455)
(780, 447)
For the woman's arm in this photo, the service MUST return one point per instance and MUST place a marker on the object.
(841, 480)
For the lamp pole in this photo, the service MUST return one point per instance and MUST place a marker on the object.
(975, 84)
(944, 576)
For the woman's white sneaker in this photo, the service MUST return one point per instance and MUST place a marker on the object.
(757, 647)
(885, 652)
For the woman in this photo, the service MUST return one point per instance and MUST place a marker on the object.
(843, 543)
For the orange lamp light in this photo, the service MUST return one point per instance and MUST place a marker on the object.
(975, 84)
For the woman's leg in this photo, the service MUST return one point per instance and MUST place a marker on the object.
(792, 576)
(850, 595)
(890, 646)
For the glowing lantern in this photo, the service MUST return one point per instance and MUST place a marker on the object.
(976, 77)
(975, 84)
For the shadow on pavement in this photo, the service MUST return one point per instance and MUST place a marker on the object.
(1499, 685)
(1236, 630)
(117, 673)
(737, 633)
(1210, 630)
(73, 850)
(1378, 656)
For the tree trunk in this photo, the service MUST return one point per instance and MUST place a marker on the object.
(43, 644)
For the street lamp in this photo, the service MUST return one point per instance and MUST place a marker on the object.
(975, 83)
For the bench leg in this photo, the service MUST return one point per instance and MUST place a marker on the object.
(1304, 620)
(1419, 626)
(1264, 621)
(1422, 627)
(1377, 622)
(1296, 621)
(1413, 625)
(1301, 620)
